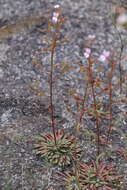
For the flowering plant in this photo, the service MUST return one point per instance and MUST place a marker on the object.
(60, 153)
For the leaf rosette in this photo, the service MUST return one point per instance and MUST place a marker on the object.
(60, 153)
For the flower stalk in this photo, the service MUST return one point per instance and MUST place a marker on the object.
(51, 86)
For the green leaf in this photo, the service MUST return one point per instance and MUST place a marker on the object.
(99, 157)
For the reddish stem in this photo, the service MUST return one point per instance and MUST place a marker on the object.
(110, 100)
(51, 86)
(94, 100)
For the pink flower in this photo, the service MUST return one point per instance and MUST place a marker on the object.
(104, 56)
(57, 6)
(55, 14)
(122, 19)
(87, 52)
(55, 17)
(91, 37)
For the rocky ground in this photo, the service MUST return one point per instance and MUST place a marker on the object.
(22, 113)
